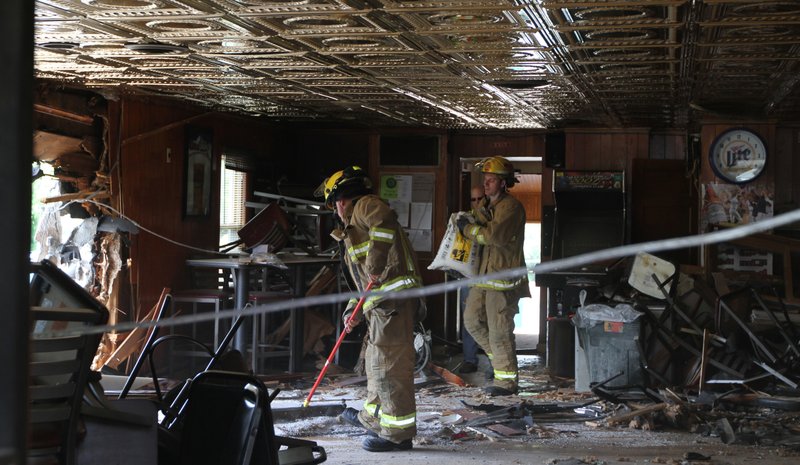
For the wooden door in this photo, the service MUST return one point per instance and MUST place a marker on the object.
(663, 205)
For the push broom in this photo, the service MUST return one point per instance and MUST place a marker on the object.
(336, 346)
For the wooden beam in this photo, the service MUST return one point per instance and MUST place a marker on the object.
(83, 195)
(82, 119)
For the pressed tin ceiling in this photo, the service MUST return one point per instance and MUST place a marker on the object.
(444, 64)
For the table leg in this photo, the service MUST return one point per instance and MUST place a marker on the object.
(242, 293)
(297, 319)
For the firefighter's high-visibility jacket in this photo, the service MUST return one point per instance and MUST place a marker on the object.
(501, 231)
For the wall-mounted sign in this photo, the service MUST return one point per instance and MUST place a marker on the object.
(588, 180)
(411, 197)
(738, 155)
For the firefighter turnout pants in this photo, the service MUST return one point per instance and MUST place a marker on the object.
(489, 318)
(390, 406)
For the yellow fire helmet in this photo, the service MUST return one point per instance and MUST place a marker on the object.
(352, 180)
(499, 166)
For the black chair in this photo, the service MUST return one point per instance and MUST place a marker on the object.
(60, 362)
(164, 302)
(227, 421)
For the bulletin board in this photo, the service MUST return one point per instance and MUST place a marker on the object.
(412, 198)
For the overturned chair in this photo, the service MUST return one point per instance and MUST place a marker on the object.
(61, 354)
(220, 417)
(225, 418)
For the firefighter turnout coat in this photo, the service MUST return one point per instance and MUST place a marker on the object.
(376, 244)
(492, 304)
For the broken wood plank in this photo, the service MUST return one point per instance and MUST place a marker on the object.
(136, 337)
(622, 418)
(76, 163)
(446, 374)
(322, 282)
(490, 435)
(82, 195)
(126, 348)
(48, 146)
(505, 430)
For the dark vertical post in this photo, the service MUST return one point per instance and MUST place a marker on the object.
(16, 88)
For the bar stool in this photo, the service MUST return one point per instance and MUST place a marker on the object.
(267, 286)
(208, 288)
(266, 336)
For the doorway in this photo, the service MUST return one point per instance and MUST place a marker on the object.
(529, 192)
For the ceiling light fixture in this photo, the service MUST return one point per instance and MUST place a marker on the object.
(156, 47)
(59, 45)
(520, 84)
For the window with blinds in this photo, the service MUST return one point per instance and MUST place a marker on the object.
(232, 199)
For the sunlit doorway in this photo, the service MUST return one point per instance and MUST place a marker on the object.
(529, 191)
(527, 320)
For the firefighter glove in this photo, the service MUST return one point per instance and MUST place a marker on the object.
(462, 222)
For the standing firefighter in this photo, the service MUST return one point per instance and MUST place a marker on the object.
(378, 250)
(491, 305)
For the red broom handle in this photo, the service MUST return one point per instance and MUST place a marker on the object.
(336, 346)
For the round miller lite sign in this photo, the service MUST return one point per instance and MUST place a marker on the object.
(738, 155)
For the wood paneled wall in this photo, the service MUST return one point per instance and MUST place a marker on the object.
(604, 149)
(305, 155)
(506, 144)
(529, 192)
(147, 146)
(786, 150)
(146, 142)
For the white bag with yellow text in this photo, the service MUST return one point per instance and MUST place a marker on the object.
(456, 252)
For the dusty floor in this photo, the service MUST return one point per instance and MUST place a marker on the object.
(561, 438)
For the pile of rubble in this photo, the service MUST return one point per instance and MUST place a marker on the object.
(710, 356)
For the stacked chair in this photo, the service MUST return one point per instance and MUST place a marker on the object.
(60, 362)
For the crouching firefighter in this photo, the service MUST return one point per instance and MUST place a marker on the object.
(378, 250)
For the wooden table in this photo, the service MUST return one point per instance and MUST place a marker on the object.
(241, 267)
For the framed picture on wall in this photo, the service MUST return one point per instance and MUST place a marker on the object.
(197, 172)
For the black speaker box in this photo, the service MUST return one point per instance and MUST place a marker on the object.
(555, 144)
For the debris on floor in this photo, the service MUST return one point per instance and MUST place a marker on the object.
(708, 366)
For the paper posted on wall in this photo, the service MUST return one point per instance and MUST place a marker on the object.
(456, 252)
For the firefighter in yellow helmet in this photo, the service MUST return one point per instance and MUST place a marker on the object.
(492, 305)
(378, 250)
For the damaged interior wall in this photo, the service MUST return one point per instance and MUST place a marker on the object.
(72, 172)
